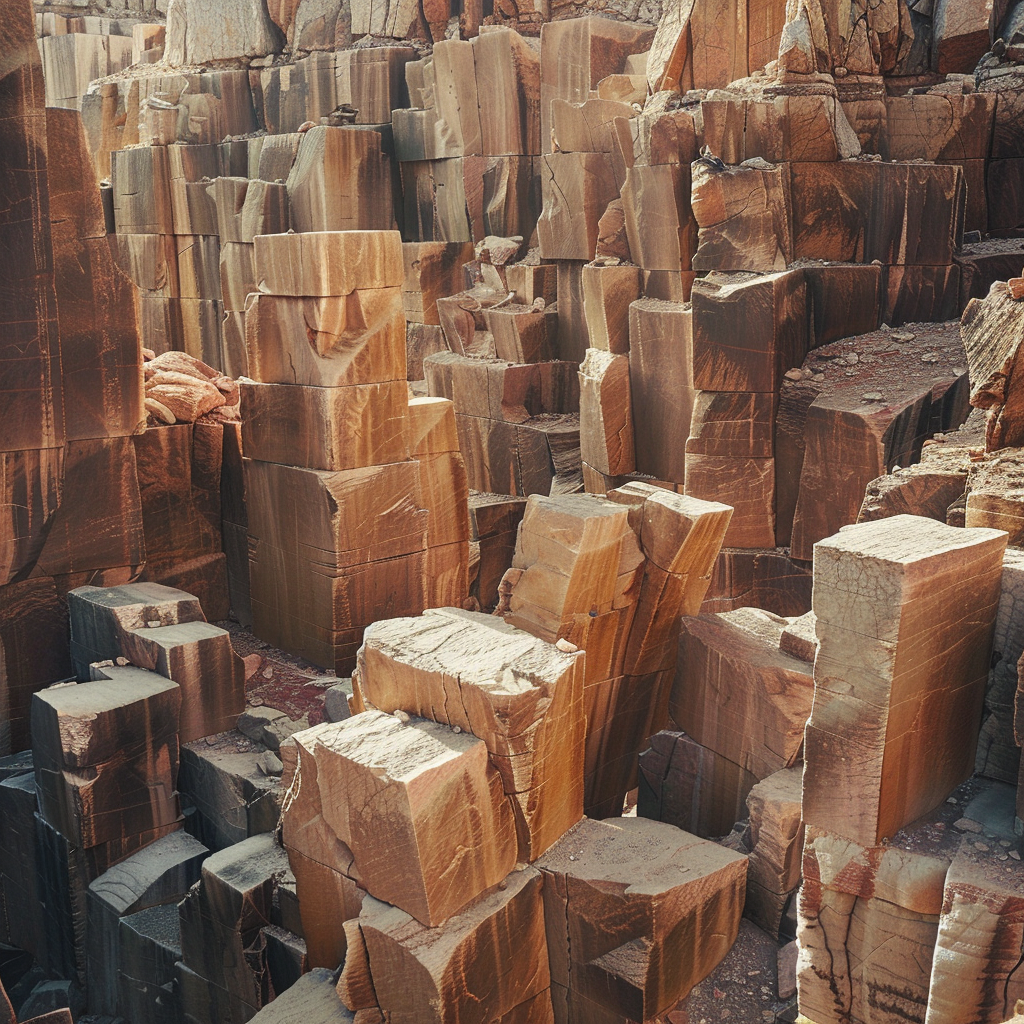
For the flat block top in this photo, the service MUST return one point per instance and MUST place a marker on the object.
(160, 925)
(313, 999)
(181, 633)
(150, 874)
(643, 856)
(904, 541)
(479, 649)
(247, 864)
(89, 701)
(569, 507)
(95, 611)
(682, 505)
(731, 285)
(84, 724)
(396, 749)
(662, 307)
(132, 594)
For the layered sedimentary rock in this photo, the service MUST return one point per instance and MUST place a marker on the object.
(878, 597)
(521, 695)
(106, 755)
(339, 533)
(622, 924)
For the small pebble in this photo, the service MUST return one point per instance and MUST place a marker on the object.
(402, 716)
(853, 358)
(122, 661)
(796, 374)
(981, 846)
(1014, 855)
(872, 396)
(456, 729)
(903, 337)
(967, 825)
(930, 357)
(153, 623)
(269, 763)
(566, 647)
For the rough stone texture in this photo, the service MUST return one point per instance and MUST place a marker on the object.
(905, 609)
(197, 33)
(637, 912)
